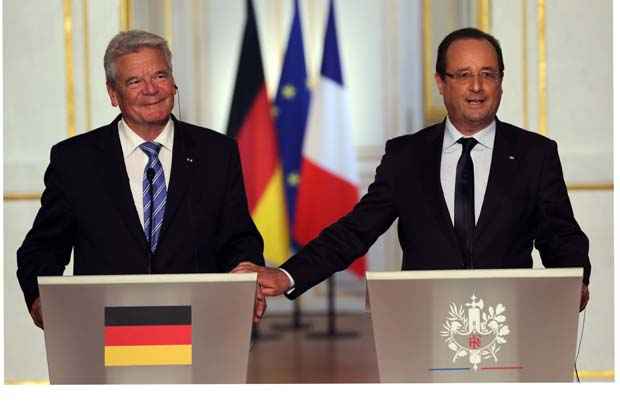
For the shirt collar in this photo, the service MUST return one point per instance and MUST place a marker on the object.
(132, 141)
(485, 137)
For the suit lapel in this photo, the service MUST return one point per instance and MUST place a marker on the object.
(180, 174)
(431, 184)
(116, 181)
(504, 163)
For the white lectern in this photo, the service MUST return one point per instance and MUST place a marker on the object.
(141, 329)
(475, 325)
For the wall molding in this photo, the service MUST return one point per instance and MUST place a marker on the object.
(70, 83)
(125, 12)
(524, 66)
(9, 196)
(542, 68)
(590, 186)
(484, 15)
(87, 67)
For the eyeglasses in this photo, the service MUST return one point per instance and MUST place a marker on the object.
(465, 76)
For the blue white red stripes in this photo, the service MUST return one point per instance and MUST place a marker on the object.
(329, 183)
(497, 368)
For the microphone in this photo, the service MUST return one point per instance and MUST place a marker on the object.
(178, 100)
(150, 174)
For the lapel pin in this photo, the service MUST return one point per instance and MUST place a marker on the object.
(511, 157)
(189, 160)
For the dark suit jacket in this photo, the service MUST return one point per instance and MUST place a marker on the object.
(87, 205)
(526, 203)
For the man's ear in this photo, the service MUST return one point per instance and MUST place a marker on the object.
(112, 94)
(440, 83)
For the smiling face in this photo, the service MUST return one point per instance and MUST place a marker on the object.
(471, 103)
(144, 91)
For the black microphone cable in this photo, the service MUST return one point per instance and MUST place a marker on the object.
(179, 101)
(583, 327)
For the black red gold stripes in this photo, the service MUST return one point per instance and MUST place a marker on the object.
(148, 336)
(163, 315)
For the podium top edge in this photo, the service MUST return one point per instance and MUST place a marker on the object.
(148, 279)
(475, 274)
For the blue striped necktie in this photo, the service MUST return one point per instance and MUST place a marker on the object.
(154, 198)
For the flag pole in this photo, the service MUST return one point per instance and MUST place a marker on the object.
(292, 102)
(332, 332)
(296, 322)
(250, 122)
(258, 336)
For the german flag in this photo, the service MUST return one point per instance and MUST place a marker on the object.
(148, 336)
(251, 124)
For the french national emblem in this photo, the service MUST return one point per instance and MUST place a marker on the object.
(477, 334)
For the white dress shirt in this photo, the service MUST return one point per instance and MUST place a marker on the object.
(136, 159)
(481, 155)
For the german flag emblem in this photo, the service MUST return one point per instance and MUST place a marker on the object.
(148, 336)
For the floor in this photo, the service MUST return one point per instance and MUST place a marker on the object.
(281, 354)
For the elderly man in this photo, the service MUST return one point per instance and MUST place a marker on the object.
(145, 194)
(469, 192)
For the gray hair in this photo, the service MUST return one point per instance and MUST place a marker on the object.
(126, 42)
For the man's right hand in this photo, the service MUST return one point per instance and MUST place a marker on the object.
(35, 313)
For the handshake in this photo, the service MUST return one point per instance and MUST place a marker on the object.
(271, 282)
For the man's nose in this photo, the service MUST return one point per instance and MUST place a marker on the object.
(475, 84)
(149, 87)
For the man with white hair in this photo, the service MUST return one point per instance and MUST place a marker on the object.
(145, 194)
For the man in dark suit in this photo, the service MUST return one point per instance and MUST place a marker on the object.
(470, 192)
(144, 194)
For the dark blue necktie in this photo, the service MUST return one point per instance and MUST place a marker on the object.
(154, 194)
(464, 214)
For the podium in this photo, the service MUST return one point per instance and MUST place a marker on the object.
(475, 325)
(143, 329)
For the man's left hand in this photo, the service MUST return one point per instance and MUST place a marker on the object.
(272, 281)
(260, 304)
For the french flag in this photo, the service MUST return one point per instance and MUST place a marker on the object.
(329, 185)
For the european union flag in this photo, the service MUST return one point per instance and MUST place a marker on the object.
(292, 103)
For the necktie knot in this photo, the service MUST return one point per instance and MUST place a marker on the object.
(151, 149)
(468, 144)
